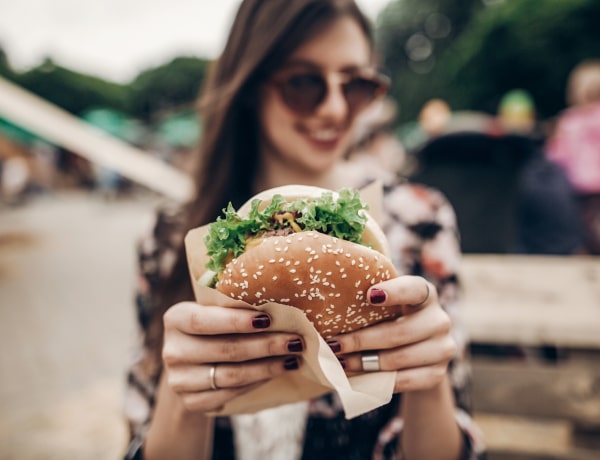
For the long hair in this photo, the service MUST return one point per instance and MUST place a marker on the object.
(263, 35)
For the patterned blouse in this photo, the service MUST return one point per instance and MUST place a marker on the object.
(421, 228)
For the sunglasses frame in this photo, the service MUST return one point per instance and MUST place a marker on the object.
(329, 79)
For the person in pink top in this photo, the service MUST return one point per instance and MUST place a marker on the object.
(575, 145)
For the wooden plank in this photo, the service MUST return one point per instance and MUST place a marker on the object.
(532, 300)
(509, 433)
(564, 391)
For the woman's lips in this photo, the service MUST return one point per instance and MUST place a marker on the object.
(323, 139)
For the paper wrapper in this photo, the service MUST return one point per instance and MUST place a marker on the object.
(320, 371)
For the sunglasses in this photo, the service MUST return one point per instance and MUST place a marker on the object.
(304, 91)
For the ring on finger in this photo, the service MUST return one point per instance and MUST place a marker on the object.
(370, 361)
(211, 377)
(426, 296)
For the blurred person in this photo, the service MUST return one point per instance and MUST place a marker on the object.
(548, 221)
(575, 145)
(516, 112)
(14, 179)
(435, 117)
(280, 107)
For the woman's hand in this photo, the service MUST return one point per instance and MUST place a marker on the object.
(418, 345)
(212, 354)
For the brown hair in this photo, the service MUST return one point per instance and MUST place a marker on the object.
(264, 33)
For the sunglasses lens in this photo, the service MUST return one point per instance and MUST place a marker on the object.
(360, 92)
(303, 93)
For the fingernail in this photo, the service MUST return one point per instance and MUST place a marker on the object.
(342, 362)
(335, 346)
(295, 345)
(261, 321)
(377, 296)
(291, 363)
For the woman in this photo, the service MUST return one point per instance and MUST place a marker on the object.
(280, 107)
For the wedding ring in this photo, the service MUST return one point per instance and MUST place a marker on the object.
(426, 296)
(211, 376)
(370, 362)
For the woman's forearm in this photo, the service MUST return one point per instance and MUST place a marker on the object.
(430, 429)
(177, 433)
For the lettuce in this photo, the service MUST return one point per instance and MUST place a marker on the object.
(341, 218)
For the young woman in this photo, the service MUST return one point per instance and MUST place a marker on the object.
(279, 108)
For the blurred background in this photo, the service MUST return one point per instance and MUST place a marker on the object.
(495, 102)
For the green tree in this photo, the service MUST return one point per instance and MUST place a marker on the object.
(527, 44)
(508, 44)
(413, 35)
(168, 86)
(72, 91)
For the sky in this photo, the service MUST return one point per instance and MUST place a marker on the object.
(116, 39)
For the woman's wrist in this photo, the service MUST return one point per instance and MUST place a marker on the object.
(429, 414)
(176, 432)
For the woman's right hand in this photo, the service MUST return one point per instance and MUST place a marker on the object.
(236, 341)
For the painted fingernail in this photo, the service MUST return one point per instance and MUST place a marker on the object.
(261, 321)
(335, 346)
(295, 345)
(377, 296)
(291, 363)
(342, 362)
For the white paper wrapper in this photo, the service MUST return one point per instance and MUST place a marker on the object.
(320, 371)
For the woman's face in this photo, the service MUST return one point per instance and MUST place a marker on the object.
(312, 143)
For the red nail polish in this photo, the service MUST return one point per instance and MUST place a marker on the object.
(377, 296)
(335, 346)
(291, 363)
(261, 321)
(295, 346)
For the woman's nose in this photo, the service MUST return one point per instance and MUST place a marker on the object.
(334, 106)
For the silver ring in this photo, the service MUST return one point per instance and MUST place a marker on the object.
(211, 376)
(370, 361)
(426, 296)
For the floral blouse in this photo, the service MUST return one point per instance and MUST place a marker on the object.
(421, 228)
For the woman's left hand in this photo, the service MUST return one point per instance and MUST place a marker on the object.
(418, 345)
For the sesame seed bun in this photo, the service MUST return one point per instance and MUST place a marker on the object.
(326, 277)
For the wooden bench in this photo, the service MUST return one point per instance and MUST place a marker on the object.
(534, 323)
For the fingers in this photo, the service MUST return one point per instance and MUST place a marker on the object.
(439, 350)
(413, 291)
(188, 349)
(195, 378)
(420, 378)
(406, 330)
(199, 391)
(192, 318)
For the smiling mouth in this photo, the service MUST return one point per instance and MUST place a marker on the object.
(324, 135)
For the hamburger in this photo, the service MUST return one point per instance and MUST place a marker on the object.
(307, 247)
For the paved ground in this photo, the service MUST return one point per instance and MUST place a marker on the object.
(66, 324)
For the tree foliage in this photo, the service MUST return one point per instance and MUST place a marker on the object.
(72, 91)
(528, 44)
(174, 84)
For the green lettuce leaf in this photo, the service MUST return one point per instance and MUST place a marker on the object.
(341, 218)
